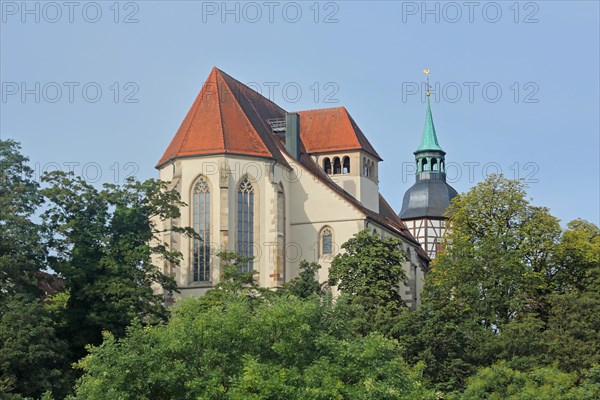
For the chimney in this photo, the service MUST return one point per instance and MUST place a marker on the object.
(292, 134)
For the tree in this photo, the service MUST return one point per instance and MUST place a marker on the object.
(306, 283)
(573, 331)
(577, 258)
(487, 295)
(509, 287)
(448, 341)
(521, 344)
(32, 358)
(548, 383)
(573, 327)
(21, 252)
(370, 273)
(275, 349)
(234, 282)
(498, 254)
(104, 244)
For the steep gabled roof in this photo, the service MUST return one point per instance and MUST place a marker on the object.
(226, 117)
(332, 129)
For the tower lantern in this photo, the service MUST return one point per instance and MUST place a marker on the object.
(425, 202)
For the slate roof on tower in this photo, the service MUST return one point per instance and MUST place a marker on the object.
(226, 117)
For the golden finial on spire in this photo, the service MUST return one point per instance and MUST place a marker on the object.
(426, 72)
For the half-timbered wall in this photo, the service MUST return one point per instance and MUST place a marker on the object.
(429, 233)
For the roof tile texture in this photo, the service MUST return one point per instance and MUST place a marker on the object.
(226, 117)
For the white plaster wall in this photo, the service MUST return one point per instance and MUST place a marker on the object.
(310, 206)
(264, 174)
(364, 189)
(313, 206)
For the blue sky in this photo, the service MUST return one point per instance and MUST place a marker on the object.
(516, 85)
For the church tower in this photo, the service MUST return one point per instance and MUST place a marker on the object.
(426, 201)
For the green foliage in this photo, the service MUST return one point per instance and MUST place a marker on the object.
(370, 273)
(502, 382)
(105, 242)
(499, 249)
(521, 344)
(32, 358)
(269, 350)
(448, 341)
(306, 284)
(509, 286)
(511, 308)
(578, 258)
(21, 252)
(573, 328)
(234, 282)
(573, 333)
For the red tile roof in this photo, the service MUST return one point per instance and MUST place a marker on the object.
(226, 117)
(332, 129)
(229, 117)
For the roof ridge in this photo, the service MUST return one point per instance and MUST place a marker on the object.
(220, 110)
(254, 108)
(361, 136)
(266, 138)
(248, 122)
(321, 109)
(246, 87)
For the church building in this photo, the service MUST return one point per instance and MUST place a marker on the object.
(280, 187)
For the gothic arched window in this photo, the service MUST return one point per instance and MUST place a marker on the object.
(346, 165)
(280, 263)
(326, 241)
(327, 165)
(201, 223)
(434, 164)
(245, 222)
(337, 166)
(365, 167)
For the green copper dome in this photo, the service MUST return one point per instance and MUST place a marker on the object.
(430, 196)
(429, 140)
